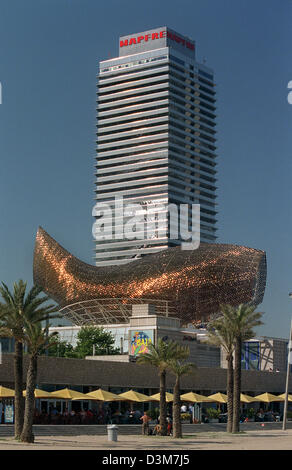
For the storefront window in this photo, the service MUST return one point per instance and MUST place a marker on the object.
(250, 356)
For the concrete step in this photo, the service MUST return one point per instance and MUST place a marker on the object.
(98, 430)
(7, 430)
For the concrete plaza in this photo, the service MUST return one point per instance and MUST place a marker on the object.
(253, 439)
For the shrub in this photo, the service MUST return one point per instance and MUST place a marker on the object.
(213, 413)
(250, 413)
(153, 413)
(185, 416)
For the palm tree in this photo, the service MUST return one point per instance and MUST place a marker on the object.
(243, 320)
(15, 308)
(220, 334)
(159, 356)
(36, 339)
(178, 368)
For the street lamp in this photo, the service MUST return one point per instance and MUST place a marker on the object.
(289, 361)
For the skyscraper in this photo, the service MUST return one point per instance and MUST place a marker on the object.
(155, 139)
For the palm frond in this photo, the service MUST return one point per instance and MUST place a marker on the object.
(180, 368)
(31, 296)
(22, 315)
(6, 295)
(162, 353)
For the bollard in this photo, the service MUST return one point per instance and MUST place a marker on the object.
(112, 432)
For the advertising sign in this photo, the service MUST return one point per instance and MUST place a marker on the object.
(8, 414)
(156, 35)
(156, 39)
(140, 341)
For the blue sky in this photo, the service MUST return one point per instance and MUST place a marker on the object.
(49, 51)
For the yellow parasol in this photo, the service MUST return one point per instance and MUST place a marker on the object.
(67, 394)
(6, 392)
(131, 395)
(247, 398)
(283, 396)
(218, 397)
(39, 393)
(195, 398)
(156, 397)
(103, 395)
(268, 398)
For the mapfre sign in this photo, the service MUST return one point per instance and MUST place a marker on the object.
(135, 40)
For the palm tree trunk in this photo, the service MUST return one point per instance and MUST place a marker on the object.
(162, 404)
(27, 434)
(229, 392)
(177, 430)
(237, 386)
(18, 386)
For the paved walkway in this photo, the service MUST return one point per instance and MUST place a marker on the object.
(7, 430)
(261, 439)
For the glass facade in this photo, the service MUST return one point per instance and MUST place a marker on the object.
(120, 335)
(250, 356)
(7, 345)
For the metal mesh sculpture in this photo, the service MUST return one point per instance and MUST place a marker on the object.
(188, 284)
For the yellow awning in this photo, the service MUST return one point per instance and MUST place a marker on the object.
(131, 395)
(156, 397)
(247, 398)
(67, 394)
(6, 392)
(268, 397)
(103, 395)
(194, 398)
(39, 393)
(218, 397)
(283, 396)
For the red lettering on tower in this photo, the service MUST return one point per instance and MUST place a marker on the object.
(190, 45)
(153, 36)
(124, 43)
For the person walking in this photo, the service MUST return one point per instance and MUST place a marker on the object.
(169, 425)
(145, 423)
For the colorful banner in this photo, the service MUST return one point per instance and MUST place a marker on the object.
(8, 414)
(140, 341)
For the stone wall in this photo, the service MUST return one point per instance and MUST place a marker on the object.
(105, 374)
